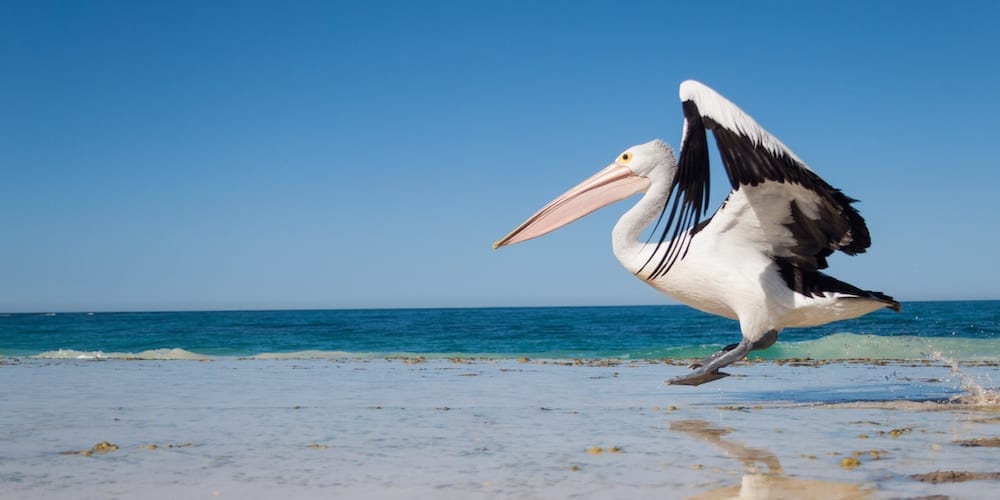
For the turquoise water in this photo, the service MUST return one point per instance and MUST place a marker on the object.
(968, 330)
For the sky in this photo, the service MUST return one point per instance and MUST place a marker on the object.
(302, 155)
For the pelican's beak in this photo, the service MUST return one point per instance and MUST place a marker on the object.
(614, 183)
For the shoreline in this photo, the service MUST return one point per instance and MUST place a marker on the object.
(438, 428)
(412, 359)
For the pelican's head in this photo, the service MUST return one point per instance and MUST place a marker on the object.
(631, 172)
(650, 160)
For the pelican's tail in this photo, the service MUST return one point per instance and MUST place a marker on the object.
(817, 284)
(887, 301)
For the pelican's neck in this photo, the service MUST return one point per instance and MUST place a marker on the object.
(630, 251)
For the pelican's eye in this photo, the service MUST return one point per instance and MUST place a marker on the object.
(625, 158)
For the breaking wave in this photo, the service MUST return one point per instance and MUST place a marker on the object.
(839, 346)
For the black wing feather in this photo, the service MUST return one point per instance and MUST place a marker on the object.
(749, 161)
(689, 194)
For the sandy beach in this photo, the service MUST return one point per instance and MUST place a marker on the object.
(414, 428)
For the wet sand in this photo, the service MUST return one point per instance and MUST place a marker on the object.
(464, 428)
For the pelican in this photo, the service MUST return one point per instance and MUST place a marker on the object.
(757, 259)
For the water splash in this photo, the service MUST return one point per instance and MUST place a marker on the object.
(975, 393)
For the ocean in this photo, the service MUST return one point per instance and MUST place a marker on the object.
(440, 403)
(958, 330)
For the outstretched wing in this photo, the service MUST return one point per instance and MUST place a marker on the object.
(796, 215)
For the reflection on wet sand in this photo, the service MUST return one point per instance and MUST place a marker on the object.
(762, 484)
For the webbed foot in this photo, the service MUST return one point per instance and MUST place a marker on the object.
(697, 377)
(707, 369)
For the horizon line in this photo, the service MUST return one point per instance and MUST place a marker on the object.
(383, 308)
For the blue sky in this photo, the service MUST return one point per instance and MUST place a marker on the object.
(246, 155)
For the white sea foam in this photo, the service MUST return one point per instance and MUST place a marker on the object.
(70, 354)
(152, 354)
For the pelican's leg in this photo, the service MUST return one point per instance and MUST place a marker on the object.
(764, 342)
(707, 370)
